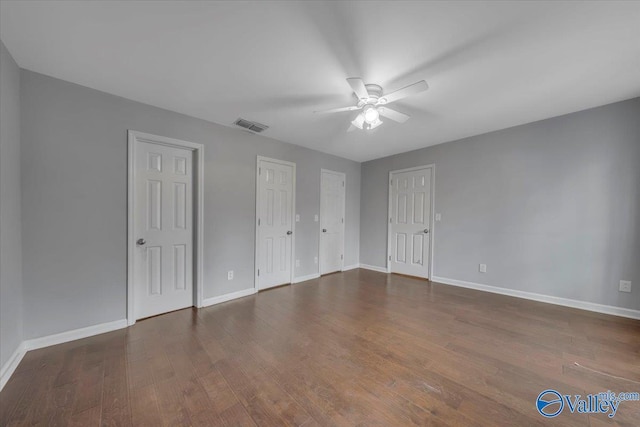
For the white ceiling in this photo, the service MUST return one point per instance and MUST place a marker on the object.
(490, 65)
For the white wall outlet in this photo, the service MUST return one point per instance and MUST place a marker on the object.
(438, 217)
(315, 259)
(483, 268)
(230, 275)
(297, 217)
(315, 218)
(297, 263)
(625, 286)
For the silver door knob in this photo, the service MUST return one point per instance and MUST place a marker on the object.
(289, 232)
(324, 230)
(426, 230)
(141, 242)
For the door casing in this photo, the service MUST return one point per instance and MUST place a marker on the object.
(344, 208)
(134, 137)
(432, 167)
(257, 217)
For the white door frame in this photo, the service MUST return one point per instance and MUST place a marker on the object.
(135, 137)
(256, 279)
(344, 216)
(432, 167)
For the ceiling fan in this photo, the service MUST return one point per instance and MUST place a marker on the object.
(373, 103)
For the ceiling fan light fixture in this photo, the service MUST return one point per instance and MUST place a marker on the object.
(375, 124)
(371, 114)
(359, 121)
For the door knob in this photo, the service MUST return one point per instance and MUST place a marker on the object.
(324, 230)
(289, 232)
(426, 230)
(141, 242)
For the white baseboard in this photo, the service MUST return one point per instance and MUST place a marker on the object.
(228, 297)
(350, 267)
(566, 302)
(374, 268)
(75, 334)
(305, 278)
(10, 366)
(49, 340)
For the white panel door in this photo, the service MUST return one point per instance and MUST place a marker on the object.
(332, 199)
(410, 218)
(163, 266)
(275, 223)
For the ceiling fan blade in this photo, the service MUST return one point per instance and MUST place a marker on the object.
(339, 110)
(358, 87)
(404, 92)
(393, 114)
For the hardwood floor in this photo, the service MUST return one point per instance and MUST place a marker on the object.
(356, 348)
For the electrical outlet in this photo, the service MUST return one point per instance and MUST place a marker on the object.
(483, 268)
(315, 259)
(297, 217)
(625, 286)
(297, 263)
(230, 275)
(438, 217)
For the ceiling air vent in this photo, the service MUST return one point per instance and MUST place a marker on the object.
(252, 126)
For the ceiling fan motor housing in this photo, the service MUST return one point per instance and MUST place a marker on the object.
(374, 91)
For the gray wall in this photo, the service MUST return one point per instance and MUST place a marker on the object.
(10, 240)
(74, 171)
(552, 207)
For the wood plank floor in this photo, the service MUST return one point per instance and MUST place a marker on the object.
(355, 348)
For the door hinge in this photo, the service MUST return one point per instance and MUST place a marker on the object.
(343, 183)
(259, 171)
(341, 256)
(389, 257)
(258, 272)
(389, 220)
(390, 182)
(258, 221)
(343, 220)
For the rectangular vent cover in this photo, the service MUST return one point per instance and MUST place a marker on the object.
(252, 126)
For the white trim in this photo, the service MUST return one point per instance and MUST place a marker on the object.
(10, 366)
(76, 334)
(374, 268)
(350, 267)
(566, 302)
(131, 319)
(33, 344)
(198, 208)
(344, 217)
(228, 297)
(432, 238)
(305, 278)
(257, 218)
(433, 220)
